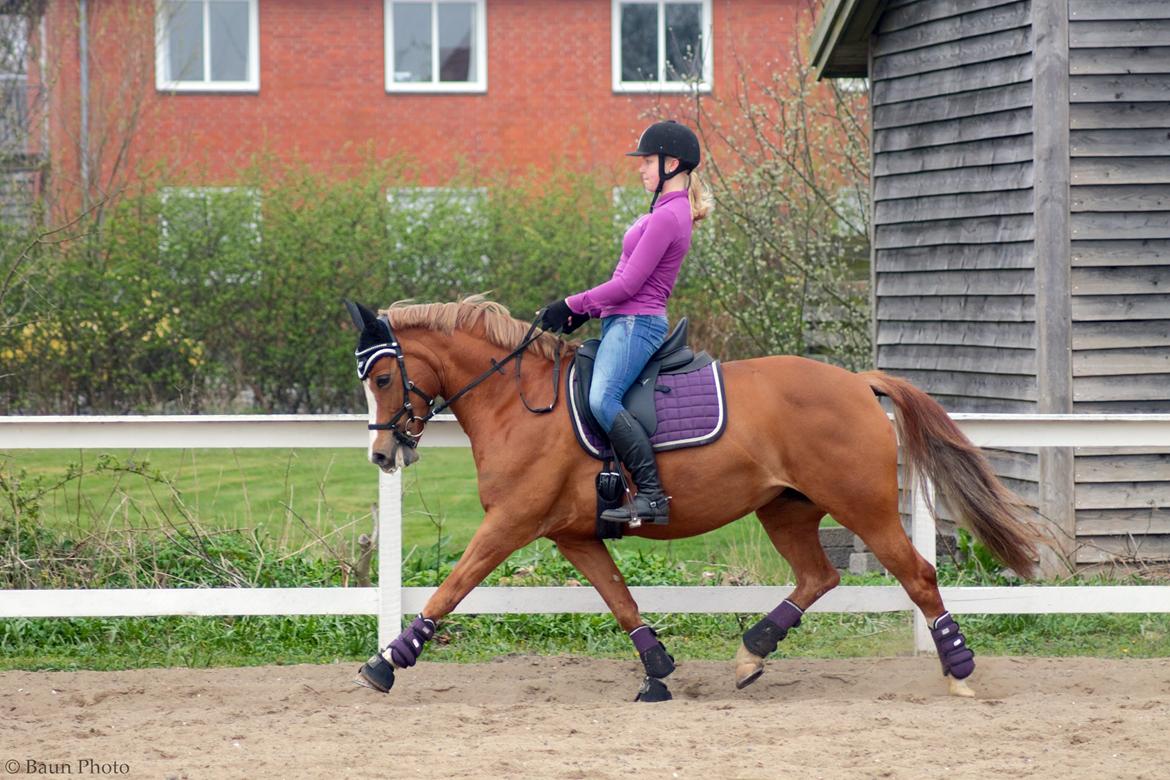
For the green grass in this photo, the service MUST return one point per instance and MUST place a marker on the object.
(297, 497)
(281, 518)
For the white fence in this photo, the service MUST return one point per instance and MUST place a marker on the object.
(389, 600)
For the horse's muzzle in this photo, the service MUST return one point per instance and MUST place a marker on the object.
(399, 457)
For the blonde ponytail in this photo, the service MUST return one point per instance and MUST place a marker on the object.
(700, 199)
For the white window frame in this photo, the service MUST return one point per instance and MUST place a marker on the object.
(162, 54)
(661, 85)
(434, 85)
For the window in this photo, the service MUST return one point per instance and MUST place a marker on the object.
(436, 46)
(661, 45)
(430, 228)
(417, 208)
(210, 234)
(207, 46)
(14, 94)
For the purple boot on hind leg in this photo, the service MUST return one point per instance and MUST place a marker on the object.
(958, 660)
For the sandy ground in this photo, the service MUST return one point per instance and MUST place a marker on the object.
(573, 718)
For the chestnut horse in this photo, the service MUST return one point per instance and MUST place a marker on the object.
(803, 439)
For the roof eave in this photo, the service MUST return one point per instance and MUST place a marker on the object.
(840, 42)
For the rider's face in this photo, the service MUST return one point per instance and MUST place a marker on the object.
(648, 170)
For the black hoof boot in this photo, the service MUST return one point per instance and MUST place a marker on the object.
(653, 690)
(657, 662)
(376, 674)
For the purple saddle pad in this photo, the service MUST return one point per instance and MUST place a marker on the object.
(692, 413)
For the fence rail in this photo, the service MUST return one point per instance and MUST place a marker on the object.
(389, 600)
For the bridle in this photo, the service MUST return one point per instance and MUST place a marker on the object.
(404, 435)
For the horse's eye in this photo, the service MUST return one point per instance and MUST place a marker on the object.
(383, 380)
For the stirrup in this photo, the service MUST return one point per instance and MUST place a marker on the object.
(628, 513)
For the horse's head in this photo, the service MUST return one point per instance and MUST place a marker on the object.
(395, 427)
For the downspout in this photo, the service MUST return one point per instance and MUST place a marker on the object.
(83, 45)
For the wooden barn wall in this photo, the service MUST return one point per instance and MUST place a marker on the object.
(953, 244)
(1119, 147)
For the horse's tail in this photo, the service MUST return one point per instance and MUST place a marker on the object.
(933, 445)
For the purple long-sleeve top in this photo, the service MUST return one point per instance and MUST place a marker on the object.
(652, 252)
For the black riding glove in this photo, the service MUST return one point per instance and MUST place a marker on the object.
(576, 321)
(556, 316)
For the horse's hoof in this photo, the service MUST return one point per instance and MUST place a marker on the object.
(376, 674)
(653, 690)
(744, 681)
(748, 667)
(960, 688)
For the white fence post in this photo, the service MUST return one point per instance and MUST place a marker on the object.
(389, 556)
(922, 534)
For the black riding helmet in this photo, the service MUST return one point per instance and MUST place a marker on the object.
(668, 139)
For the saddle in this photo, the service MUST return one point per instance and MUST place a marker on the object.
(678, 398)
(673, 357)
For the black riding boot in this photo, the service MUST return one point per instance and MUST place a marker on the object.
(632, 446)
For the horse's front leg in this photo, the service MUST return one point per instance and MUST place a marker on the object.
(592, 559)
(494, 541)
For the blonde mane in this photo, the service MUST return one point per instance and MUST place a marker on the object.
(493, 318)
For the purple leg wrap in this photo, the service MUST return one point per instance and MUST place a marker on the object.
(786, 615)
(655, 659)
(957, 659)
(644, 638)
(405, 650)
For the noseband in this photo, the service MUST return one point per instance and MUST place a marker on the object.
(370, 355)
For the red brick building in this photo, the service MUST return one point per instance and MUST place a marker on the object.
(206, 85)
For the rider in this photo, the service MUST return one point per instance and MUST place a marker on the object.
(632, 304)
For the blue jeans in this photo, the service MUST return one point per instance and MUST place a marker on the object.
(627, 342)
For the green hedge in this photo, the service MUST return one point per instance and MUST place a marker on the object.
(229, 300)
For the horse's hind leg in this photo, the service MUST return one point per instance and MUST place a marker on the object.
(791, 524)
(882, 532)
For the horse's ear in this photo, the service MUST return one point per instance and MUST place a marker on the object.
(362, 317)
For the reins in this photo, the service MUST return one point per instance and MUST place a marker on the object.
(409, 439)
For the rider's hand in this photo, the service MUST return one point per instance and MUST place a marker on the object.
(556, 316)
(576, 321)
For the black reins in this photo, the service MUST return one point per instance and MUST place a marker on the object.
(409, 439)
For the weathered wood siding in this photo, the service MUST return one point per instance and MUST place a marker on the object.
(1021, 246)
(953, 244)
(1119, 147)
(953, 226)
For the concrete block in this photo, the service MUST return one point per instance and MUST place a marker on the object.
(947, 545)
(836, 537)
(839, 556)
(862, 563)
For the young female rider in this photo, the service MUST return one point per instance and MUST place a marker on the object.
(632, 304)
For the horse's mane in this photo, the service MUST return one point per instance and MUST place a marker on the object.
(496, 322)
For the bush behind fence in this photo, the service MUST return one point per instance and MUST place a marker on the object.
(228, 299)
